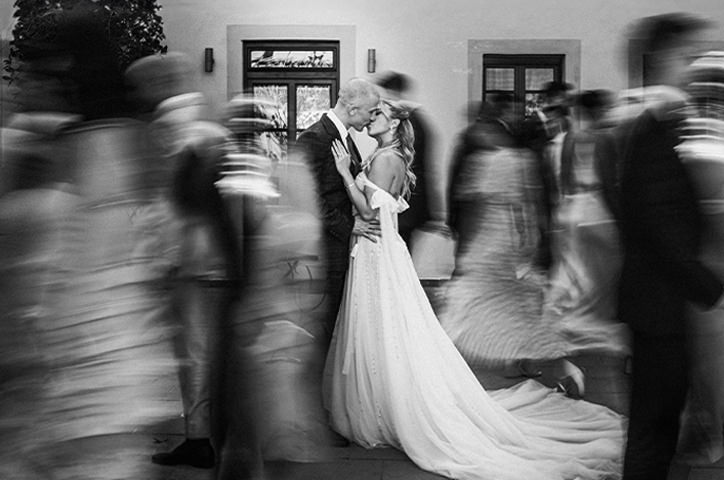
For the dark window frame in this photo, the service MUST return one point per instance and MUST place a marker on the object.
(292, 77)
(519, 63)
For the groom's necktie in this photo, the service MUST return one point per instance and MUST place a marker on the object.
(354, 155)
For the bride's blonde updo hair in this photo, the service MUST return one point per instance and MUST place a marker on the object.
(406, 137)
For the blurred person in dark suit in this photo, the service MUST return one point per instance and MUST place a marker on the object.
(662, 228)
(546, 139)
(425, 201)
(208, 262)
(701, 441)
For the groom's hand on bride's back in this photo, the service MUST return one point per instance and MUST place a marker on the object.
(370, 230)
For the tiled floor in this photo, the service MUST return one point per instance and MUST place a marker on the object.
(607, 384)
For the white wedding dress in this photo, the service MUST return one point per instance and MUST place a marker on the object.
(394, 378)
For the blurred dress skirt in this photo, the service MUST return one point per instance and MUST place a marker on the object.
(99, 339)
(494, 310)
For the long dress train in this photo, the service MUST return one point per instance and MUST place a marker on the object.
(394, 378)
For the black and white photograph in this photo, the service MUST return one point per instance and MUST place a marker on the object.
(382, 240)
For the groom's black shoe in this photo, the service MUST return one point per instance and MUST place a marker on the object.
(195, 452)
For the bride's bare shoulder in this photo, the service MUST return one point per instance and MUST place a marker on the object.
(387, 160)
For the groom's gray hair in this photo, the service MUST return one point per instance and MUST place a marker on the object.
(357, 90)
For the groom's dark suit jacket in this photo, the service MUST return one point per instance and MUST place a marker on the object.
(662, 228)
(315, 144)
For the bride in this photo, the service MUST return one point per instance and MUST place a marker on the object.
(394, 378)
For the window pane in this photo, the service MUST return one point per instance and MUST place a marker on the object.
(274, 144)
(488, 96)
(312, 102)
(499, 78)
(279, 95)
(536, 78)
(291, 59)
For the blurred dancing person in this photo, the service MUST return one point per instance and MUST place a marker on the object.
(425, 202)
(277, 325)
(702, 151)
(495, 310)
(208, 263)
(98, 322)
(36, 200)
(586, 248)
(662, 227)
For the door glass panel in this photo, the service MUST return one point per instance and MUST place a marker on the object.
(279, 96)
(274, 144)
(291, 59)
(312, 102)
(536, 78)
(499, 78)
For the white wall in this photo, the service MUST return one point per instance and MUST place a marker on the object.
(428, 39)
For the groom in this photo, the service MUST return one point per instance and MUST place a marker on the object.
(355, 108)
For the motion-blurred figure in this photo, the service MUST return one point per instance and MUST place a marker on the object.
(278, 334)
(585, 240)
(702, 151)
(494, 312)
(208, 263)
(36, 200)
(662, 229)
(425, 202)
(99, 342)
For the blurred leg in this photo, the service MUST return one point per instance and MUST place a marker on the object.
(657, 399)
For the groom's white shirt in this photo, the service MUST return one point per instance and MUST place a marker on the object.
(343, 132)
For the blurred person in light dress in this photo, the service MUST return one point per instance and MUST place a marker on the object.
(36, 199)
(495, 312)
(98, 314)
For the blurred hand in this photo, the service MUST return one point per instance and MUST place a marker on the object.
(342, 158)
(370, 230)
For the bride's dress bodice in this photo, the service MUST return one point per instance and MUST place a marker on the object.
(381, 200)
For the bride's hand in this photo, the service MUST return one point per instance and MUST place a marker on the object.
(342, 158)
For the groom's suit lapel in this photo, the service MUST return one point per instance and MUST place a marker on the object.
(332, 131)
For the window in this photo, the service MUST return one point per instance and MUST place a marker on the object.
(302, 77)
(522, 76)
